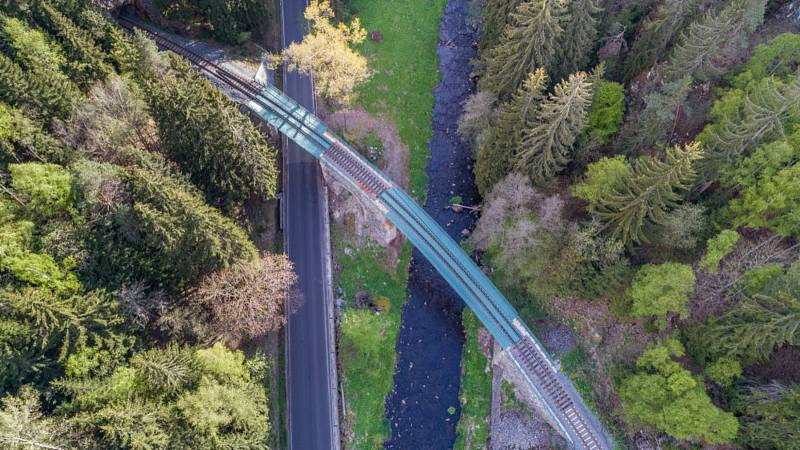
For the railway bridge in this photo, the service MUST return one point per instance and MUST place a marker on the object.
(553, 390)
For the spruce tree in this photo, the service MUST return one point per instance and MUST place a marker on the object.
(546, 143)
(183, 236)
(14, 88)
(657, 33)
(496, 17)
(702, 48)
(50, 93)
(87, 60)
(746, 120)
(529, 42)
(655, 123)
(494, 158)
(220, 149)
(756, 326)
(26, 140)
(647, 193)
(580, 32)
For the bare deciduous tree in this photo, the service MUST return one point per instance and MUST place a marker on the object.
(249, 298)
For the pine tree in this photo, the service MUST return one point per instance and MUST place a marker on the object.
(494, 158)
(496, 17)
(701, 50)
(580, 31)
(531, 41)
(657, 33)
(647, 193)
(87, 60)
(546, 142)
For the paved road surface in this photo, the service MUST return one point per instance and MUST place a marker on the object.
(313, 416)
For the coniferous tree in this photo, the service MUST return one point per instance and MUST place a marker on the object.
(531, 41)
(756, 326)
(657, 33)
(166, 369)
(496, 17)
(702, 47)
(580, 32)
(654, 124)
(744, 120)
(201, 130)
(647, 193)
(769, 416)
(14, 88)
(23, 424)
(22, 139)
(50, 93)
(190, 238)
(494, 158)
(546, 142)
(87, 60)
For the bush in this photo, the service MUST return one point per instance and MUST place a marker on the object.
(724, 371)
(718, 247)
(44, 188)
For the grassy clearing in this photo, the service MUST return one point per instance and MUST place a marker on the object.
(367, 339)
(405, 72)
(476, 389)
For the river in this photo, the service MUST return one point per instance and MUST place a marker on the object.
(423, 408)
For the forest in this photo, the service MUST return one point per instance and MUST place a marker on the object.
(640, 168)
(132, 289)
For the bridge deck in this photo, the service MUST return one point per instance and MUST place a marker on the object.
(554, 390)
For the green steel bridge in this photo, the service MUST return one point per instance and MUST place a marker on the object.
(554, 391)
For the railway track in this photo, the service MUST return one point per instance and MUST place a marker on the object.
(523, 349)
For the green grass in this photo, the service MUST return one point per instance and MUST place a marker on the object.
(367, 339)
(405, 72)
(476, 389)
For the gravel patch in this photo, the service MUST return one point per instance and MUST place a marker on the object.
(516, 428)
(559, 340)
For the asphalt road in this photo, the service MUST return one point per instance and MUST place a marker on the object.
(313, 413)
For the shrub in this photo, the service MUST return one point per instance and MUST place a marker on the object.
(718, 247)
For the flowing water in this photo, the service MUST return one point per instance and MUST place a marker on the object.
(423, 408)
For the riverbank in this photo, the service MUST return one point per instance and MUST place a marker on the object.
(404, 66)
(424, 406)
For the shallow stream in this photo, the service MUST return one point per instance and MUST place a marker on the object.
(423, 408)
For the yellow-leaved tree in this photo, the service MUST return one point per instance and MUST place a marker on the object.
(325, 51)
